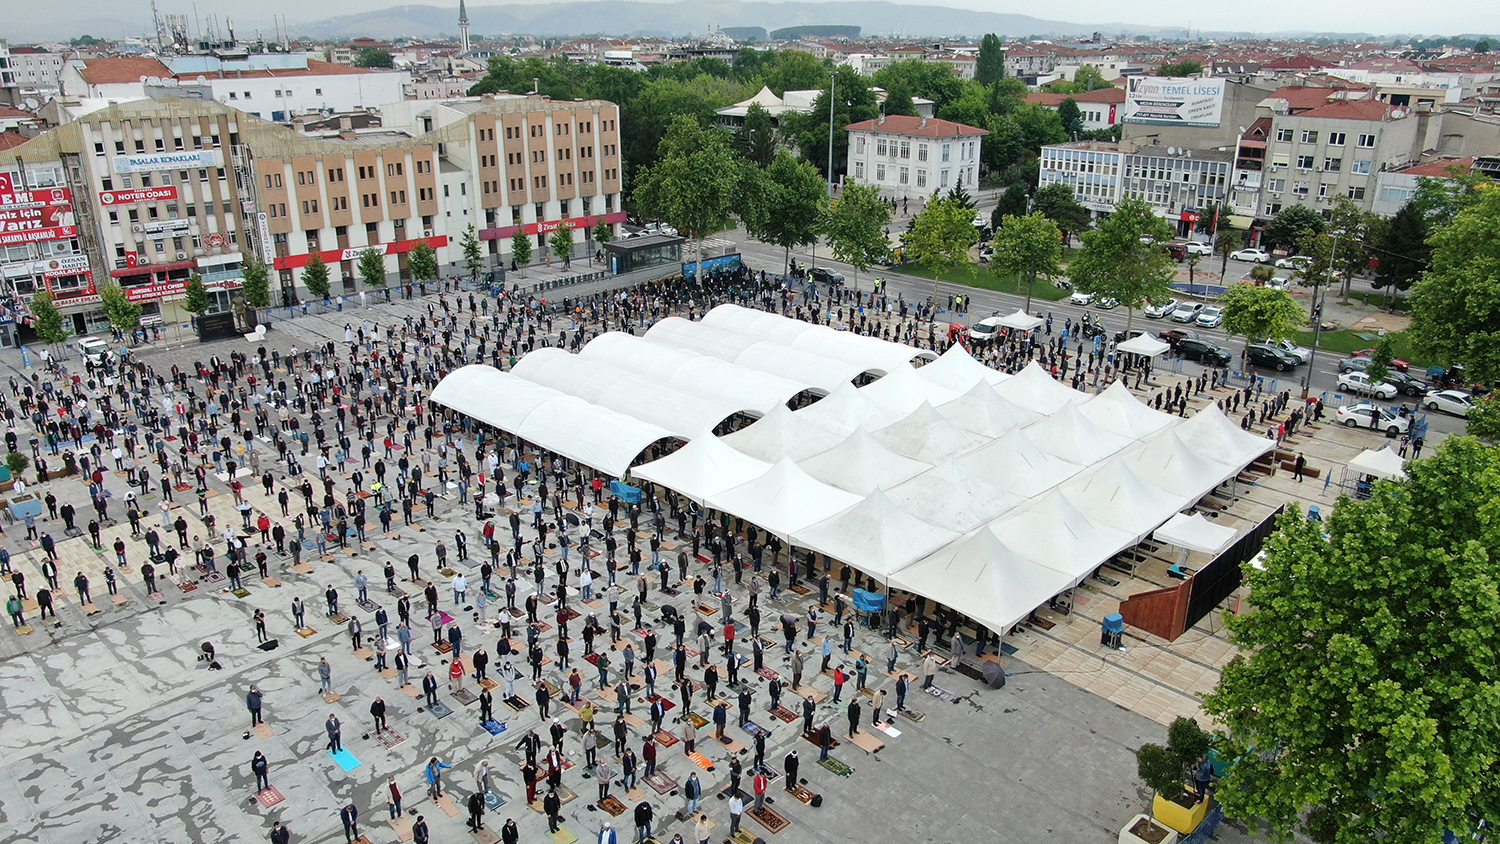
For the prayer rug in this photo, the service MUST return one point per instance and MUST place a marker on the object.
(338, 618)
(269, 797)
(666, 705)
(465, 697)
(785, 715)
(698, 721)
(516, 703)
(262, 731)
(802, 794)
(494, 728)
(345, 759)
(665, 739)
(440, 710)
(368, 606)
(188, 586)
(660, 783)
(938, 693)
(306, 632)
(866, 742)
(241, 592)
(612, 805)
(836, 767)
(562, 836)
(770, 819)
(812, 738)
(768, 674)
(754, 729)
(389, 738)
(913, 715)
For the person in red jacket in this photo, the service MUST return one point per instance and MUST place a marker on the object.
(760, 783)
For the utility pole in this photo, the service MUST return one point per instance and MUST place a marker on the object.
(1312, 359)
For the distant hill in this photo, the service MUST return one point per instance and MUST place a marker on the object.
(625, 17)
(815, 31)
(746, 33)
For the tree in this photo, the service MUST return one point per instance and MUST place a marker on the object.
(853, 102)
(756, 140)
(1403, 251)
(374, 57)
(1482, 46)
(421, 260)
(1442, 198)
(561, 241)
(932, 80)
(1088, 78)
(122, 313)
(47, 319)
(195, 300)
(371, 267)
(855, 227)
(1165, 770)
(473, 257)
(1012, 203)
(1256, 312)
(898, 100)
(603, 232)
(1484, 418)
(1071, 116)
(1455, 305)
(1380, 360)
(990, 67)
(1123, 258)
(1182, 68)
(1056, 203)
(941, 235)
(257, 286)
(1286, 229)
(315, 277)
(786, 203)
(1214, 220)
(693, 185)
(1363, 691)
(1028, 246)
(520, 250)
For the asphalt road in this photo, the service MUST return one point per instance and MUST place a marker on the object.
(1324, 367)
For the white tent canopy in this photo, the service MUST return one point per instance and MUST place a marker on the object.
(703, 468)
(1014, 463)
(958, 371)
(1112, 495)
(1209, 432)
(1167, 463)
(752, 352)
(1035, 390)
(1021, 320)
(868, 352)
(1051, 532)
(1195, 533)
(1118, 411)
(693, 373)
(982, 411)
(924, 435)
(1382, 463)
(861, 465)
(983, 579)
(847, 408)
(874, 536)
(784, 500)
(1143, 344)
(950, 496)
(903, 390)
(1070, 435)
(779, 434)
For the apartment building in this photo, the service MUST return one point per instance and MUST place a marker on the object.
(913, 156)
(1334, 150)
(150, 192)
(1179, 183)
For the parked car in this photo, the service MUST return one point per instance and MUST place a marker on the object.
(1264, 354)
(1374, 417)
(1210, 317)
(1456, 402)
(661, 228)
(1177, 250)
(985, 329)
(1293, 262)
(1407, 383)
(1193, 348)
(1353, 365)
(94, 350)
(1081, 298)
(1122, 335)
(1187, 311)
(1195, 247)
(1107, 304)
(1396, 363)
(986, 253)
(1254, 256)
(1158, 310)
(1360, 383)
(1299, 352)
(1173, 336)
(825, 275)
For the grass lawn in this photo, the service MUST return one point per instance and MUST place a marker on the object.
(978, 275)
(1345, 341)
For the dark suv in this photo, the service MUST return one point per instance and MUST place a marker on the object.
(1406, 383)
(825, 276)
(1261, 355)
(1192, 348)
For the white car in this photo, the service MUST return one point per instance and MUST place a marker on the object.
(1159, 310)
(1360, 384)
(1366, 415)
(1186, 311)
(1254, 256)
(980, 221)
(1455, 402)
(93, 349)
(1293, 262)
(1081, 298)
(1195, 247)
(1210, 317)
(1299, 352)
(985, 329)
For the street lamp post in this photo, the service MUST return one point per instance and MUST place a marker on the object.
(1312, 359)
(833, 79)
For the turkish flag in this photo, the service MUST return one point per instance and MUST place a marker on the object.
(132, 259)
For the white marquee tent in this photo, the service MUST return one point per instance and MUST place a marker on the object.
(957, 370)
(926, 436)
(1118, 411)
(1021, 320)
(861, 465)
(784, 500)
(848, 408)
(781, 433)
(1035, 390)
(1195, 533)
(876, 532)
(904, 391)
(1014, 463)
(982, 411)
(950, 496)
(1382, 463)
(703, 468)
(1143, 344)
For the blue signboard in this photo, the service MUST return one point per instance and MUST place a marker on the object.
(724, 262)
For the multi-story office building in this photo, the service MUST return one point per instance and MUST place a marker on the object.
(1337, 149)
(1180, 184)
(913, 156)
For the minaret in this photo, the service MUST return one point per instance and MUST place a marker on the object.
(463, 29)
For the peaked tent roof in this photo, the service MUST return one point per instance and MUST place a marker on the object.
(1382, 463)
(693, 373)
(1021, 320)
(784, 500)
(983, 579)
(950, 496)
(1143, 344)
(1195, 533)
(1118, 411)
(846, 408)
(779, 434)
(982, 411)
(957, 370)
(904, 390)
(861, 465)
(1210, 433)
(592, 435)
(1033, 389)
(926, 436)
(874, 536)
(1014, 463)
(703, 468)
(1113, 495)
(1166, 463)
(1051, 532)
(1070, 435)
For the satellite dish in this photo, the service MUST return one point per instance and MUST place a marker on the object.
(1171, 150)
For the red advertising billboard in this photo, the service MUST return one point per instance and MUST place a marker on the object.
(126, 197)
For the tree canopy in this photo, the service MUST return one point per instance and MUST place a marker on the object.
(1057, 203)
(1364, 704)
(315, 277)
(561, 241)
(1287, 228)
(855, 226)
(1123, 258)
(853, 102)
(1455, 305)
(1029, 246)
(1258, 312)
(784, 204)
(122, 313)
(374, 57)
(694, 184)
(990, 66)
(47, 319)
(473, 256)
(257, 288)
(1187, 67)
(195, 296)
(422, 261)
(1403, 251)
(941, 235)
(371, 267)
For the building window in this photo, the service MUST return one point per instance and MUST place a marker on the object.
(921, 178)
(1366, 142)
(943, 176)
(945, 158)
(880, 172)
(1304, 162)
(1283, 134)
(1357, 192)
(1333, 165)
(880, 146)
(921, 152)
(1275, 185)
(906, 149)
(1337, 139)
(903, 177)
(859, 169)
(1309, 136)
(1360, 166)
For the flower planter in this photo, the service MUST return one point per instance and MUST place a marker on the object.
(1141, 829)
(1182, 818)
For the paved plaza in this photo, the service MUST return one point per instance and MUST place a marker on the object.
(115, 731)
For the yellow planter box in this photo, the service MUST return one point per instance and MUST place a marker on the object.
(1178, 818)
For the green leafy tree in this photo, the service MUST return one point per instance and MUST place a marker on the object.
(1214, 220)
(371, 267)
(789, 203)
(195, 300)
(315, 277)
(1188, 67)
(853, 102)
(122, 313)
(855, 227)
(1166, 769)
(257, 286)
(603, 232)
(941, 236)
(694, 184)
(421, 260)
(961, 196)
(1089, 78)
(1257, 313)
(990, 67)
(793, 70)
(1123, 259)
(898, 100)
(1071, 116)
(1482, 46)
(1403, 251)
(473, 255)
(520, 250)
(1029, 246)
(1012, 203)
(756, 140)
(1380, 359)
(561, 241)
(1287, 228)
(1363, 696)
(47, 320)
(1057, 203)
(1484, 418)
(1441, 199)
(933, 80)
(644, 121)
(374, 57)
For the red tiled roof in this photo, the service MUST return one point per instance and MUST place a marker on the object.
(121, 69)
(1046, 98)
(1302, 62)
(1102, 95)
(7, 111)
(1302, 98)
(1439, 169)
(1351, 110)
(924, 127)
(11, 140)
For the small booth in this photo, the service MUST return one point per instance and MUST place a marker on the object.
(640, 253)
